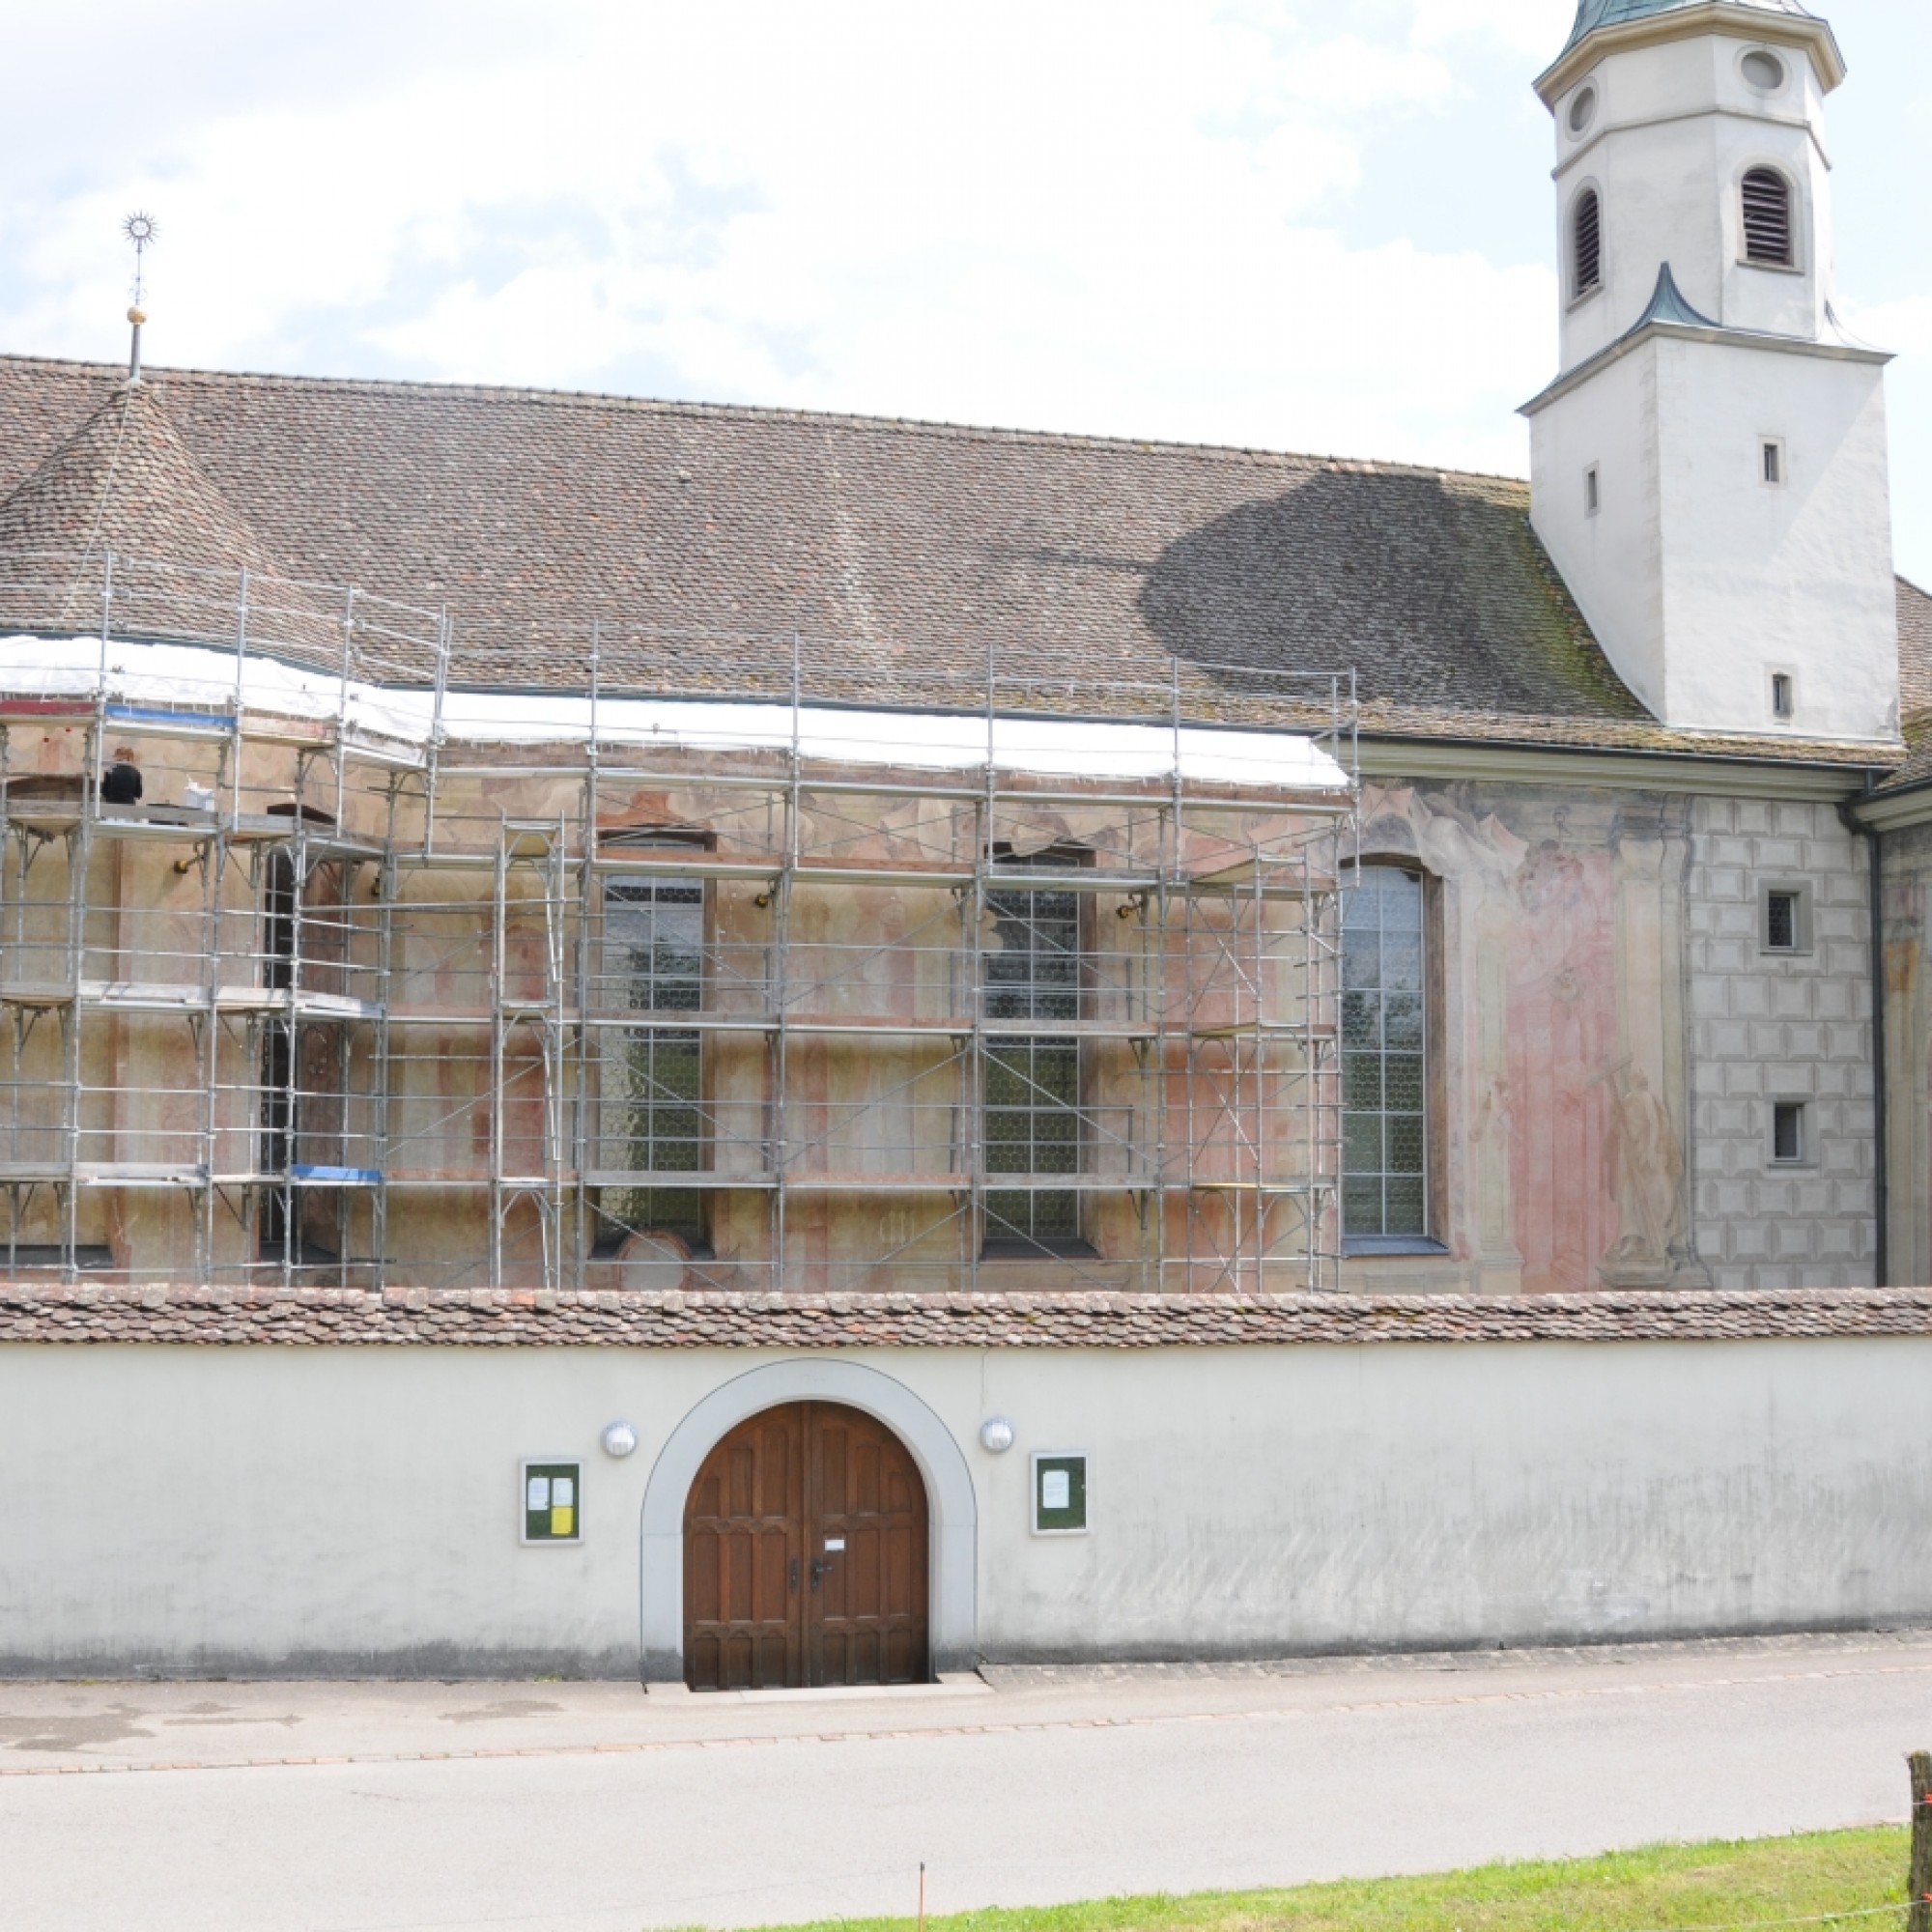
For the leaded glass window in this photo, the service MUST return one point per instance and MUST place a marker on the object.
(653, 961)
(1034, 972)
(1029, 1086)
(1033, 1127)
(1385, 1048)
(654, 943)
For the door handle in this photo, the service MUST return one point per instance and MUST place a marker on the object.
(818, 1569)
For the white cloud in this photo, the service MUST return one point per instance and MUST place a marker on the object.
(1534, 27)
(1084, 215)
(1902, 327)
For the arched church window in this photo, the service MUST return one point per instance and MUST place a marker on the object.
(1384, 1058)
(1586, 243)
(1767, 207)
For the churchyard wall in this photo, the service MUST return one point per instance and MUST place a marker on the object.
(357, 1510)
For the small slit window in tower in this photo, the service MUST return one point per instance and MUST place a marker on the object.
(1591, 495)
(1766, 209)
(1783, 701)
(1787, 1130)
(1771, 460)
(1586, 243)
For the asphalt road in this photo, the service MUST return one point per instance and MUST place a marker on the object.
(592, 1808)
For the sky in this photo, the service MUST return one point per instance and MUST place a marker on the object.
(1263, 222)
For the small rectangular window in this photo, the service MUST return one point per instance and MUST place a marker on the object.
(1590, 496)
(1787, 1130)
(1771, 460)
(1783, 698)
(1784, 918)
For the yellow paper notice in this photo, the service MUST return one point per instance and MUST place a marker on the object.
(562, 1522)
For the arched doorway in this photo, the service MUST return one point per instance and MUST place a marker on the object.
(805, 1554)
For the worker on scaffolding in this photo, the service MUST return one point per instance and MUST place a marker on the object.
(121, 782)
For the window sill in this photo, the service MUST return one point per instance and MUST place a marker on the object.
(1576, 301)
(1770, 268)
(1362, 1246)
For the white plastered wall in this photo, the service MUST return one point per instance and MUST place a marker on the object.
(1675, 127)
(1698, 579)
(355, 1510)
(1795, 575)
(1613, 560)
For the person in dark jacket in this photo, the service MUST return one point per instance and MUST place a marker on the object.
(121, 782)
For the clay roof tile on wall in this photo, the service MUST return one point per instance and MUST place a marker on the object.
(192, 1314)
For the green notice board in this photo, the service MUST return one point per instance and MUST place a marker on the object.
(552, 1495)
(1059, 1492)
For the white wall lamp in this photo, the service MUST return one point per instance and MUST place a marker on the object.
(996, 1435)
(619, 1438)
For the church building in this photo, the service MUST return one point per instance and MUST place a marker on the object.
(759, 1049)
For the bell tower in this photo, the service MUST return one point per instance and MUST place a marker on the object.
(1708, 468)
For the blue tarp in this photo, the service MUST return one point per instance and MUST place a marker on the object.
(148, 713)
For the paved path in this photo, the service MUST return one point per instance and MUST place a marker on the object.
(592, 1808)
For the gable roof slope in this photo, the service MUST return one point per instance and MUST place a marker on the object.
(889, 542)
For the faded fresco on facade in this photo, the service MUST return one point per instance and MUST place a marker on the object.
(1558, 1061)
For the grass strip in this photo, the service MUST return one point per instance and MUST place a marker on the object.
(1824, 1878)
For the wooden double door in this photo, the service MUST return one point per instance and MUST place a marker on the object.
(805, 1555)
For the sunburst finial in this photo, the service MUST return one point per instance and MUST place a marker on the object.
(141, 230)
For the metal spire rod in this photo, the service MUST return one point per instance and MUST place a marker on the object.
(141, 230)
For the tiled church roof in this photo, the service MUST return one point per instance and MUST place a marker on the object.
(195, 1316)
(1915, 650)
(1915, 688)
(888, 543)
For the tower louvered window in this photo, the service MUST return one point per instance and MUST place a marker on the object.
(1767, 204)
(1586, 244)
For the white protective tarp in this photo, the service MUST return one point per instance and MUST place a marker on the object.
(192, 677)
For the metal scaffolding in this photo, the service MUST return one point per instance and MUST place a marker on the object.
(365, 989)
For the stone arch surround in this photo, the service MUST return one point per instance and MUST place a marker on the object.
(952, 1506)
